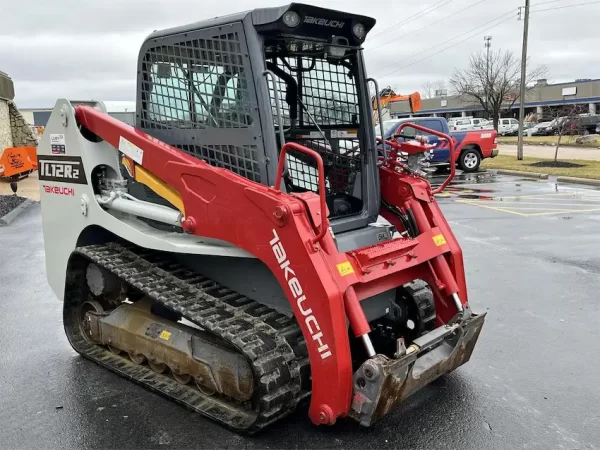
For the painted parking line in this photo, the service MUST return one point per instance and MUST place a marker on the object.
(541, 204)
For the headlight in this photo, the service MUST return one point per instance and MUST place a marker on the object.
(359, 30)
(291, 19)
(1, 168)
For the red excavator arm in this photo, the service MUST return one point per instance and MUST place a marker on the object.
(388, 96)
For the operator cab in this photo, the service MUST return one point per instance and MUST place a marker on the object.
(232, 90)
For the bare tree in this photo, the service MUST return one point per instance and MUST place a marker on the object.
(431, 88)
(566, 121)
(493, 82)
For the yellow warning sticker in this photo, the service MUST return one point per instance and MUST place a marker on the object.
(164, 335)
(439, 239)
(345, 268)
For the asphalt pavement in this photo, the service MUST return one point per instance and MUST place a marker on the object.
(532, 258)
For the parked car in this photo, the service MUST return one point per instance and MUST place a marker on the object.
(588, 123)
(566, 126)
(542, 129)
(471, 147)
(526, 126)
(506, 126)
(469, 124)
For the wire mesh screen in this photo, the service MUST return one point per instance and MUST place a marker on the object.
(197, 90)
(199, 83)
(242, 160)
(340, 168)
(327, 93)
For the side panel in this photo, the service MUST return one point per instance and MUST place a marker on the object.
(64, 200)
(483, 139)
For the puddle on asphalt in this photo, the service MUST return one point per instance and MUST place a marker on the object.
(463, 187)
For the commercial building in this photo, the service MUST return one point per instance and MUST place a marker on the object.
(39, 116)
(537, 100)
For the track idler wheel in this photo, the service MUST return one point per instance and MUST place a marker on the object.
(86, 323)
(115, 350)
(203, 388)
(181, 378)
(157, 367)
(137, 359)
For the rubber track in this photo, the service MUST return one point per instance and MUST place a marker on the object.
(272, 342)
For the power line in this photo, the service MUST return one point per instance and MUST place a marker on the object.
(446, 48)
(429, 25)
(446, 41)
(408, 19)
(459, 35)
(544, 3)
(567, 6)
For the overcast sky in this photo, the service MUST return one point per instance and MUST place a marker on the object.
(82, 49)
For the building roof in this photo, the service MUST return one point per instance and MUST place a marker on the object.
(586, 91)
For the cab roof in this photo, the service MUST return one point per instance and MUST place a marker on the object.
(263, 16)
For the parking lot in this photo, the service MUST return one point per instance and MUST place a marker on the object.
(532, 261)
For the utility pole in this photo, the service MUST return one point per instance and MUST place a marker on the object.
(523, 81)
(486, 87)
(488, 44)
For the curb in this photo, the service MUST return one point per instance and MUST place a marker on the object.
(542, 176)
(12, 215)
(590, 181)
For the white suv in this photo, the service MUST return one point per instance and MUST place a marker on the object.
(507, 125)
(469, 124)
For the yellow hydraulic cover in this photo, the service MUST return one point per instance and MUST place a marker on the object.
(161, 188)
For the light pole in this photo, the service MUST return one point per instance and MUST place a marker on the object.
(522, 90)
(488, 44)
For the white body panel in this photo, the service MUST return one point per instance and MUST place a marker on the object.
(63, 217)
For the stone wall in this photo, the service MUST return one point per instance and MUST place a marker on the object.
(22, 134)
(5, 130)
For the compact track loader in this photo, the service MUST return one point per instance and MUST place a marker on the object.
(245, 247)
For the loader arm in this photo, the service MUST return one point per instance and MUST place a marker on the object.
(323, 286)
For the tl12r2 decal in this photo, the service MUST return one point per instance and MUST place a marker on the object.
(65, 169)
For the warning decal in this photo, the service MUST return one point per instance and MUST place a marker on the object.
(345, 268)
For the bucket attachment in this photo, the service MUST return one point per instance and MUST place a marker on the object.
(17, 162)
(382, 383)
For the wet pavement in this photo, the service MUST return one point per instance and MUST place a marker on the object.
(532, 256)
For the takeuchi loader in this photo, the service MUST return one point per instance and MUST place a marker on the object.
(245, 247)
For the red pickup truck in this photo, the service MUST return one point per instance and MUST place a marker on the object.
(471, 146)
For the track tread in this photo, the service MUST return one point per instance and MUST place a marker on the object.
(272, 342)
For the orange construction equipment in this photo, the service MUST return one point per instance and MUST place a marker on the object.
(17, 162)
(387, 96)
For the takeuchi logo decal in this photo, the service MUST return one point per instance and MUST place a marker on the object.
(323, 22)
(294, 284)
